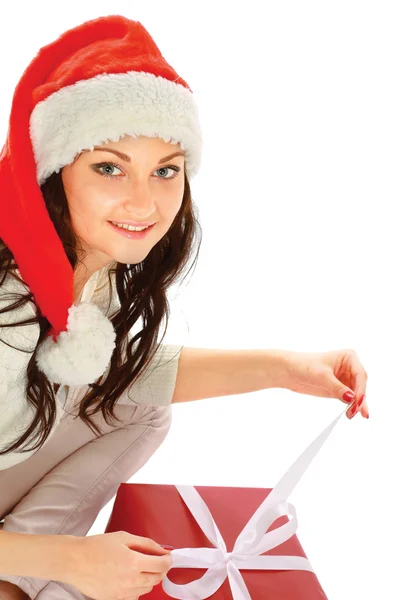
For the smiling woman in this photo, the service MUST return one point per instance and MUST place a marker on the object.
(107, 147)
(138, 194)
(102, 130)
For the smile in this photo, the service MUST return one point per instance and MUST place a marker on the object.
(133, 235)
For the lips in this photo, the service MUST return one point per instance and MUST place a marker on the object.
(134, 235)
(132, 223)
(142, 227)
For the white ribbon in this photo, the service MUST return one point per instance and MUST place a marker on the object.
(250, 543)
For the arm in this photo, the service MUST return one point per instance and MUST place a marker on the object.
(29, 555)
(207, 373)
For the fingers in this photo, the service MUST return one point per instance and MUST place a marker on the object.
(151, 579)
(146, 545)
(356, 406)
(155, 564)
(364, 407)
(360, 377)
(352, 410)
(360, 391)
(150, 557)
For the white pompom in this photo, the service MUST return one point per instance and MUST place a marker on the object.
(83, 352)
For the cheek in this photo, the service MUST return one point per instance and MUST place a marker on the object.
(171, 203)
(89, 205)
(171, 208)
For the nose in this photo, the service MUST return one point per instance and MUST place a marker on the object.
(140, 203)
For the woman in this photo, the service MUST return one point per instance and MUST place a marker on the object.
(103, 132)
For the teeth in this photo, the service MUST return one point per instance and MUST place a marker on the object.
(130, 227)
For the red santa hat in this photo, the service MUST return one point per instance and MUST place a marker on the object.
(97, 82)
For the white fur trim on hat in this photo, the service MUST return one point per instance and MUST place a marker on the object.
(81, 354)
(107, 107)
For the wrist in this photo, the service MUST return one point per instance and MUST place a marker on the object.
(279, 362)
(56, 554)
(66, 564)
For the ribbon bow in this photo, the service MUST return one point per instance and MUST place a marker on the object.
(251, 542)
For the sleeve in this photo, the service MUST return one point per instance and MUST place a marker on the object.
(156, 385)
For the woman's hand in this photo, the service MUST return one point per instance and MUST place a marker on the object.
(115, 565)
(337, 374)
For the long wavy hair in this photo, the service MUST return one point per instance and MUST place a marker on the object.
(142, 292)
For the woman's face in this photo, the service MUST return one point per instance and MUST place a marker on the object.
(141, 187)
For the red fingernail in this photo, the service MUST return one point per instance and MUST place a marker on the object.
(360, 400)
(166, 547)
(348, 396)
(353, 411)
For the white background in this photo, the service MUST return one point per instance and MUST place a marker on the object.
(298, 196)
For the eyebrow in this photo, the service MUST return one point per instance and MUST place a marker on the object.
(127, 158)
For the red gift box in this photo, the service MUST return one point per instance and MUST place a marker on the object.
(159, 512)
(259, 556)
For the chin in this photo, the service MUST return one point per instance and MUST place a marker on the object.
(131, 260)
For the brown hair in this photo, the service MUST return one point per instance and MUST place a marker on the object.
(141, 291)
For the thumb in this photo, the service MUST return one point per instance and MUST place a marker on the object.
(341, 391)
(141, 544)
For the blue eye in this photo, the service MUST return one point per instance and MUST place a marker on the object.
(98, 167)
(171, 168)
(110, 165)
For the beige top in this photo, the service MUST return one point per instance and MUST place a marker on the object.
(155, 387)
